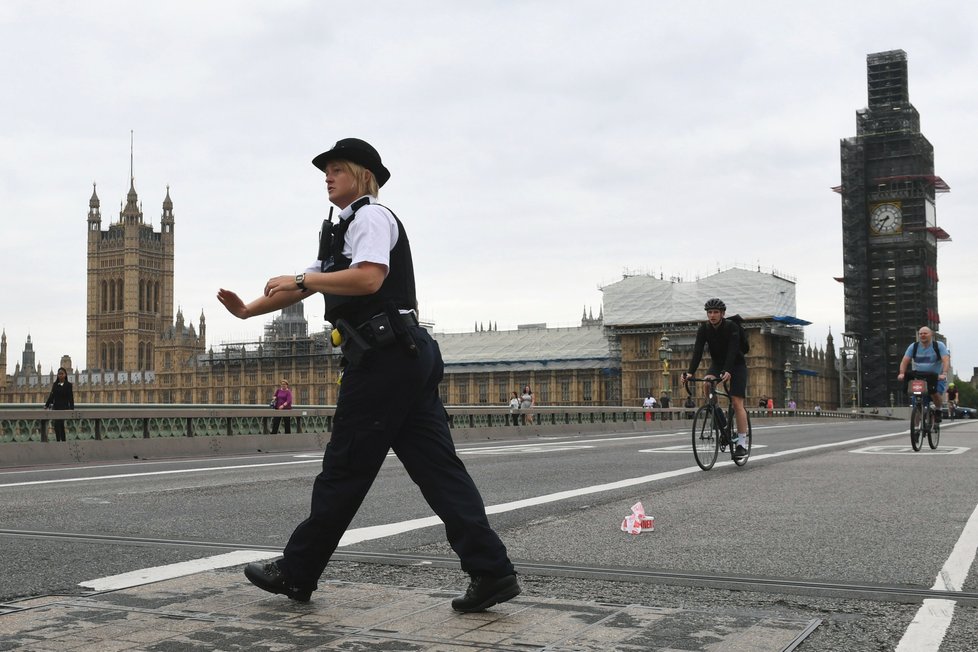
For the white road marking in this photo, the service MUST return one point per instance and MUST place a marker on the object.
(525, 448)
(927, 629)
(903, 450)
(316, 459)
(149, 473)
(170, 571)
(359, 535)
(688, 449)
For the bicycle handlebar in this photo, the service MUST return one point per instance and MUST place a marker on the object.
(712, 381)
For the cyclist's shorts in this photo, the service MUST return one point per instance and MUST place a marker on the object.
(738, 380)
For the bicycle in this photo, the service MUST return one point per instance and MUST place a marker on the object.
(922, 420)
(712, 430)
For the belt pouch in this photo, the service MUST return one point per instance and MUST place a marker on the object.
(381, 331)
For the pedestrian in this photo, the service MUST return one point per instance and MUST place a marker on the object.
(60, 398)
(664, 402)
(388, 397)
(770, 406)
(649, 405)
(283, 401)
(514, 408)
(526, 405)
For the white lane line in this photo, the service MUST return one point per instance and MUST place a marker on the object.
(149, 473)
(317, 459)
(927, 629)
(170, 571)
(370, 533)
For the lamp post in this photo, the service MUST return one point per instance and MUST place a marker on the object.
(787, 382)
(852, 386)
(665, 354)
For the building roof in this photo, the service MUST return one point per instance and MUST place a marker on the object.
(637, 300)
(579, 347)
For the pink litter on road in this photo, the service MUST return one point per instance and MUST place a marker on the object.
(638, 521)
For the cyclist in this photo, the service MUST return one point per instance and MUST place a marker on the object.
(723, 337)
(952, 400)
(928, 356)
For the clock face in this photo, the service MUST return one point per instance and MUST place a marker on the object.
(886, 219)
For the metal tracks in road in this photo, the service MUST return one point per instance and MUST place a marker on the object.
(877, 592)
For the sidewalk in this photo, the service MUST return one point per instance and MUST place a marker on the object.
(220, 610)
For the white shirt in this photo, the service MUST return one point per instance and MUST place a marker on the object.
(370, 237)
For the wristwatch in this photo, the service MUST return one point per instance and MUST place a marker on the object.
(300, 281)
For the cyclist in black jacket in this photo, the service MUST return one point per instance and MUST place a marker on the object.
(723, 336)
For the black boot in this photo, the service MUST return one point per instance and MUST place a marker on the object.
(269, 577)
(485, 591)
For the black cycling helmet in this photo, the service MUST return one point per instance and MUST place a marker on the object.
(715, 304)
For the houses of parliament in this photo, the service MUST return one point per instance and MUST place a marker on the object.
(139, 352)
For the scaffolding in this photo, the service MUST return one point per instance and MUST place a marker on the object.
(890, 278)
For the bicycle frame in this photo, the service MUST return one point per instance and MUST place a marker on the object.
(922, 420)
(709, 436)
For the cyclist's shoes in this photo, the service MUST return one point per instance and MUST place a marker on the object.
(740, 452)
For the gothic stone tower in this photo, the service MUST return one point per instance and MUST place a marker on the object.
(130, 285)
(889, 228)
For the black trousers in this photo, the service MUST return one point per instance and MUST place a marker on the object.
(288, 425)
(391, 402)
(59, 429)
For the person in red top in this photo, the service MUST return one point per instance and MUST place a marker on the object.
(283, 401)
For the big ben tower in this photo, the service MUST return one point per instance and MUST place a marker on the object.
(889, 229)
(130, 285)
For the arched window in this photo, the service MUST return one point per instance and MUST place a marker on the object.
(142, 290)
(112, 295)
(118, 288)
(105, 354)
(142, 352)
(149, 356)
(111, 364)
(156, 297)
(118, 356)
(105, 296)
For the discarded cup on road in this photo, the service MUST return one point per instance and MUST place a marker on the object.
(638, 521)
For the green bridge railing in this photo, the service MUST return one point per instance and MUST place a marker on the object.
(20, 423)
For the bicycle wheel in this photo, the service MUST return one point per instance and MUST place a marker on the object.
(934, 436)
(706, 438)
(916, 423)
(740, 461)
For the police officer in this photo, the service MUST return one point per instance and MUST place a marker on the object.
(389, 392)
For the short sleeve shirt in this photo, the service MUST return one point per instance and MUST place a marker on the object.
(370, 238)
(928, 360)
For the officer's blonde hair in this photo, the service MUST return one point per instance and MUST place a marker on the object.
(364, 181)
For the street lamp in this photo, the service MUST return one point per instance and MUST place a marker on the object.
(665, 354)
(787, 382)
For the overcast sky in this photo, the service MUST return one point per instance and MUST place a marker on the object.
(538, 150)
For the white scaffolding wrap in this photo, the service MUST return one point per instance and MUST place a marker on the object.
(637, 300)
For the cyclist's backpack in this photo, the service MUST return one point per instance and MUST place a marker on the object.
(744, 342)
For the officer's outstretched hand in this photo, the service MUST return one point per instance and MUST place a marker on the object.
(233, 303)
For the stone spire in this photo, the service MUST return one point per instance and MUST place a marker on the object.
(131, 213)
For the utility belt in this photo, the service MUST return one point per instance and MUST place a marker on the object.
(381, 331)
